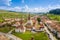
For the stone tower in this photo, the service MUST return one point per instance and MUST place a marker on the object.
(29, 16)
(29, 23)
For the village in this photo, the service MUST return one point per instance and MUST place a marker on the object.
(21, 26)
(35, 24)
(29, 20)
(32, 24)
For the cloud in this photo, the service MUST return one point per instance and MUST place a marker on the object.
(26, 8)
(43, 9)
(6, 2)
(16, 8)
(53, 6)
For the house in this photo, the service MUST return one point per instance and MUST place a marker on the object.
(41, 26)
(16, 24)
(17, 19)
(33, 30)
(7, 19)
(58, 31)
(58, 34)
(54, 28)
(37, 29)
(20, 26)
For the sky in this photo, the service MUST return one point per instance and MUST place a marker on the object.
(29, 5)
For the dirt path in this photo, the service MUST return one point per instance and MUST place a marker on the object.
(10, 36)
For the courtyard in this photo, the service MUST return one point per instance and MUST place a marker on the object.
(28, 35)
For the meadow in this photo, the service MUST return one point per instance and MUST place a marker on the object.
(54, 17)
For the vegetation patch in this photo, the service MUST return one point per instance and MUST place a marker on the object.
(6, 29)
(28, 35)
(54, 17)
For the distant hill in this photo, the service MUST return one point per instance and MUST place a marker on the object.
(11, 14)
(55, 11)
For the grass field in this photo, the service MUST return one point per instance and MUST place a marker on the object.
(54, 17)
(6, 29)
(8, 14)
(27, 35)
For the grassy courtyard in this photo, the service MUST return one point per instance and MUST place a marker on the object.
(6, 29)
(27, 35)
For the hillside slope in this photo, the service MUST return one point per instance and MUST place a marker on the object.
(11, 14)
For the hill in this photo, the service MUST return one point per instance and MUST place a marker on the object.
(11, 14)
(55, 11)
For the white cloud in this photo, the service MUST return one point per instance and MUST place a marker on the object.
(2, 7)
(6, 2)
(53, 6)
(11, 8)
(16, 8)
(27, 9)
(45, 9)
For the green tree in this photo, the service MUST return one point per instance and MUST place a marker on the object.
(38, 19)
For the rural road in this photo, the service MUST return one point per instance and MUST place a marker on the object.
(49, 34)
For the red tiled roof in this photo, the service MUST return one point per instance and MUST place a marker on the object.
(54, 24)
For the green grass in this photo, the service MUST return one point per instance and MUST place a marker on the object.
(8, 14)
(6, 29)
(54, 17)
(27, 35)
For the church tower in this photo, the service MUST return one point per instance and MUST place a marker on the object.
(29, 16)
(29, 22)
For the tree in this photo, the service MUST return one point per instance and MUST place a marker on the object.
(38, 19)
